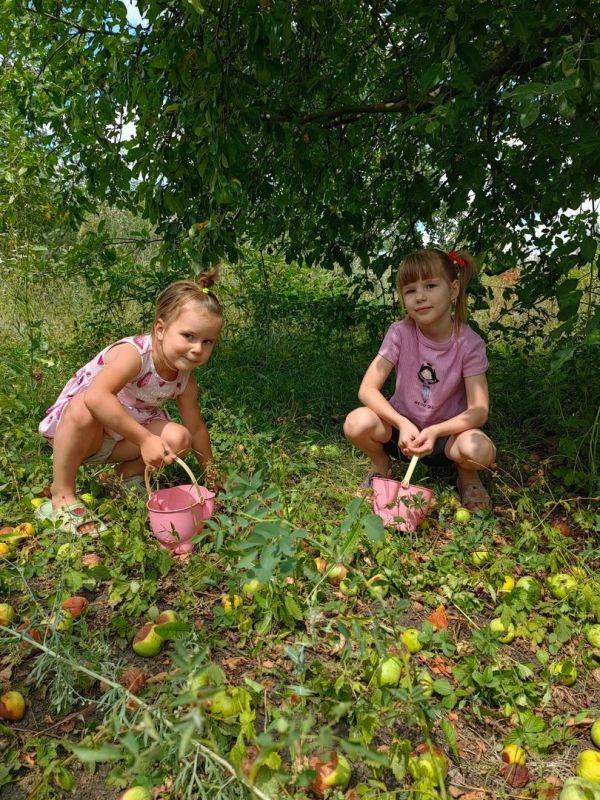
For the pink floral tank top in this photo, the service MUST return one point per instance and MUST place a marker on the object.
(143, 397)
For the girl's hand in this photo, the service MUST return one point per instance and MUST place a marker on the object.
(408, 434)
(424, 443)
(155, 452)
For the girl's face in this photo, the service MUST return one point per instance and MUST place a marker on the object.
(188, 340)
(429, 300)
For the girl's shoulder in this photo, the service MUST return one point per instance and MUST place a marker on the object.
(141, 341)
(401, 327)
(469, 337)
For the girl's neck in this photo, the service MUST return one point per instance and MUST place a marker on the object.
(439, 331)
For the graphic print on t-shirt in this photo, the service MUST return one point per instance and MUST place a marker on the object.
(427, 376)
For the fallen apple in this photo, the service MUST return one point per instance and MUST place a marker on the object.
(320, 565)
(166, 616)
(222, 705)
(595, 733)
(5, 548)
(36, 502)
(505, 633)
(561, 585)
(508, 585)
(348, 589)
(87, 498)
(563, 672)
(531, 587)
(580, 789)
(24, 529)
(74, 606)
(588, 765)
(480, 557)
(410, 639)
(429, 764)
(334, 772)
(229, 604)
(513, 754)
(137, 793)
(389, 672)
(336, 574)
(462, 515)
(251, 587)
(147, 642)
(378, 586)
(7, 614)
(90, 560)
(593, 635)
(12, 706)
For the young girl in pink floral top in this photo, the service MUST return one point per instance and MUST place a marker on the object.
(110, 410)
(441, 400)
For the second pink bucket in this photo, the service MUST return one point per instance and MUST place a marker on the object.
(402, 507)
(178, 513)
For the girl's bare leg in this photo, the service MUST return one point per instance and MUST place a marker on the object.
(368, 432)
(472, 451)
(126, 455)
(78, 436)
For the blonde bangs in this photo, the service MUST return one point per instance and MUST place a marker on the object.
(420, 266)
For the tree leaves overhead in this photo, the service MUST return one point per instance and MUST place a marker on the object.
(335, 130)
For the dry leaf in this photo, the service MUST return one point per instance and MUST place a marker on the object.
(439, 618)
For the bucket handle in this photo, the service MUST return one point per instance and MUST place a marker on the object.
(186, 468)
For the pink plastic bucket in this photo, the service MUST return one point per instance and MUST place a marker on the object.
(178, 513)
(402, 507)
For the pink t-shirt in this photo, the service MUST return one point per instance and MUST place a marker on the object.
(430, 386)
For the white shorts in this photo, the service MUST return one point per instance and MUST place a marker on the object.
(102, 455)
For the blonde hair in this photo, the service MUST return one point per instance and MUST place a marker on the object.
(172, 299)
(459, 266)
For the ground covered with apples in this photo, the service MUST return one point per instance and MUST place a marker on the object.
(301, 650)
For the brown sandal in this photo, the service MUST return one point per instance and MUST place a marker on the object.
(473, 496)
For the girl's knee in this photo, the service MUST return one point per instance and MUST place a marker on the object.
(178, 438)
(356, 423)
(476, 447)
(77, 413)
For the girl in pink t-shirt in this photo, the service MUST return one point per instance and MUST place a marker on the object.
(441, 400)
(110, 410)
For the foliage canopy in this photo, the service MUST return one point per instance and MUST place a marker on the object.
(335, 131)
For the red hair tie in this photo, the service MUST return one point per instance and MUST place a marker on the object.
(456, 259)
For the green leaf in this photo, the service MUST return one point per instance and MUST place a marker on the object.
(89, 755)
(173, 630)
(529, 115)
(450, 734)
(293, 608)
(374, 528)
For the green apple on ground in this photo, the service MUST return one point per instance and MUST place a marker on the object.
(251, 587)
(410, 640)
(462, 515)
(7, 614)
(595, 733)
(222, 705)
(166, 616)
(427, 764)
(531, 587)
(87, 498)
(329, 774)
(588, 765)
(480, 557)
(580, 789)
(147, 642)
(505, 633)
(593, 635)
(348, 589)
(12, 706)
(561, 585)
(36, 502)
(137, 793)
(378, 586)
(564, 672)
(336, 574)
(508, 585)
(513, 754)
(389, 672)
